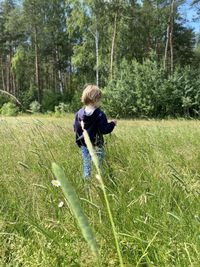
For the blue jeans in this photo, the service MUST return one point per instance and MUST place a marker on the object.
(87, 160)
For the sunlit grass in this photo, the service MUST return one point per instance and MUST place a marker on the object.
(151, 174)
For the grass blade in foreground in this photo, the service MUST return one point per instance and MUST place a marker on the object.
(100, 179)
(76, 208)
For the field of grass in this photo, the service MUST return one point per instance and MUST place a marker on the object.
(152, 177)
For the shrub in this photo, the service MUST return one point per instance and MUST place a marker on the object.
(133, 92)
(145, 90)
(75, 103)
(3, 99)
(50, 113)
(35, 107)
(61, 109)
(9, 109)
(51, 99)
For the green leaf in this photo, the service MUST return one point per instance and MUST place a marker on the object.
(76, 208)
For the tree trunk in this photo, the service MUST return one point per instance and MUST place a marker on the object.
(8, 74)
(3, 75)
(97, 56)
(55, 73)
(169, 42)
(37, 70)
(70, 74)
(112, 46)
(11, 75)
(171, 37)
(14, 90)
(59, 72)
(96, 38)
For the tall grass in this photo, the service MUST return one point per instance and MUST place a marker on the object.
(100, 180)
(76, 208)
(151, 175)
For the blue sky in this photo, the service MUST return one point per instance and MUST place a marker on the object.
(188, 13)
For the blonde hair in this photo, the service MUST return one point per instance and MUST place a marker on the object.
(91, 95)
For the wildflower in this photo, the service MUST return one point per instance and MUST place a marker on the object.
(60, 204)
(55, 183)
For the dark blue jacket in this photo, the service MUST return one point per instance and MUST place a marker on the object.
(95, 124)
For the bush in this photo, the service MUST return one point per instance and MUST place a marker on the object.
(3, 99)
(28, 96)
(50, 113)
(134, 91)
(61, 109)
(9, 109)
(75, 103)
(50, 100)
(145, 90)
(35, 107)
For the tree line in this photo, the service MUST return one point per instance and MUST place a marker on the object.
(49, 49)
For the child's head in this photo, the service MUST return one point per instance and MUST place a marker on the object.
(91, 95)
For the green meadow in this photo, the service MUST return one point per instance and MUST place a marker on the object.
(152, 178)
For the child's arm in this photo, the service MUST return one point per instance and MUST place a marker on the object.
(75, 124)
(104, 126)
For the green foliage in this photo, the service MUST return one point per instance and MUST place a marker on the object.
(75, 102)
(145, 90)
(61, 109)
(9, 109)
(28, 96)
(49, 51)
(134, 90)
(35, 107)
(19, 63)
(76, 208)
(3, 99)
(50, 100)
(72, 104)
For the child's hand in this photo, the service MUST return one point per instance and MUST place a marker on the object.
(115, 122)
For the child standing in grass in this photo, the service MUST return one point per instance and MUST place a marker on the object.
(96, 124)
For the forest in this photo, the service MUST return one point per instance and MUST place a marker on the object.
(141, 54)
